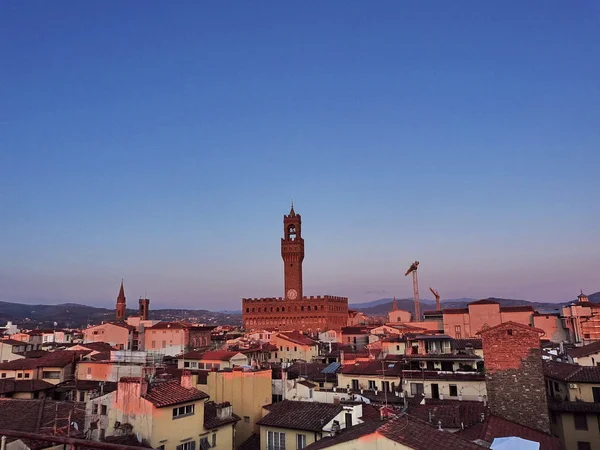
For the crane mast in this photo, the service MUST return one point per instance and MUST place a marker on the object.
(413, 269)
(438, 307)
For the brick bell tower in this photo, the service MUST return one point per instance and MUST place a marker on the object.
(121, 304)
(292, 252)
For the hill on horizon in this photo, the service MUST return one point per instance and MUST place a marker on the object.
(382, 306)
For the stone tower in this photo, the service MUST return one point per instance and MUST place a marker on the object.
(144, 306)
(292, 252)
(121, 304)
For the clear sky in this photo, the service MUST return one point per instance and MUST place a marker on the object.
(162, 142)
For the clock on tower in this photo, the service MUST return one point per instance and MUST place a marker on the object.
(292, 253)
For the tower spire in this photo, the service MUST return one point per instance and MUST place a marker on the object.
(292, 212)
(121, 303)
(394, 304)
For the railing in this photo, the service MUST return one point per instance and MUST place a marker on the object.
(73, 443)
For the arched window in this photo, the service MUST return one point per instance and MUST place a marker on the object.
(278, 309)
(247, 310)
(302, 308)
(271, 309)
(291, 232)
(283, 309)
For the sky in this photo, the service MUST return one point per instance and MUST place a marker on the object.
(161, 143)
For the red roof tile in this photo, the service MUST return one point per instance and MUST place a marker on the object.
(572, 372)
(297, 337)
(376, 367)
(218, 355)
(586, 350)
(310, 416)
(495, 426)
(170, 393)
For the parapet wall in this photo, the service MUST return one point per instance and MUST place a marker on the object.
(318, 298)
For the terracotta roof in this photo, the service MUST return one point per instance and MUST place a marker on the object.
(461, 344)
(98, 346)
(59, 358)
(13, 342)
(191, 355)
(307, 384)
(348, 434)
(511, 324)
(485, 301)
(101, 356)
(309, 416)
(127, 439)
(211, 418)
(179, 326)
(355, 330)
(419, 435)
(435, 375)
(572, 372)
(519, 308)
(370, 412)
(455, 311)
(168, 393)
(297, 337)
(452, 413)
(219, 355)
(40, 415)
(495, 426)
(586, 350)
(377, 367)
(252, 443)
(10, 385)
(32, 353)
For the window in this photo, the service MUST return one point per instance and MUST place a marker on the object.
(27, 375)
(20, 375)
(509, 332)
(82, 396)
(300, 441)
(186, 364)
(295, 348)
(51, 374)
(246, 419)
(182, 411)
(3, 374)
(164, 344)
(457, 331)
(94, 408)
(104, 410)
(191, 445)
(416, 388)
(89, 370)
(580, 421)
(397, 347)
(153, 344)
(275, 440)
(355, 386)
(204, 445)
(581, 445)
(596, 393)
(453, 390)
(385, 386)
(214, 439)
(372, 385)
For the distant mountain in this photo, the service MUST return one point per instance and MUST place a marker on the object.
(384, 306)
(73, 315)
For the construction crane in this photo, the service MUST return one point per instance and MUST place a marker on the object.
(438, 307)
(413, 269)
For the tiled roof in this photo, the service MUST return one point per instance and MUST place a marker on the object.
(455, 311)
(519, 308)
(452, 413)
(586, 350)
(98, 346)
(10, 385)
(101, 356)
(179, 326)
(419, 435)
(511, 324)
(211, 419)
(12, 342)
(191, 355)
(437, 375)
(377, 367)
(355, 330)
(40, 415)
(485, 301)
(572, 372)
(307, 384)
(168, 393)
(309, 416)
(297, 337)
(347, 434)
(461, 344)
(586, 407)
(252, 443)
(219, 355)
(495, 426)
(59, 358)
(32, 353)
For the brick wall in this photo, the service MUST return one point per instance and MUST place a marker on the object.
(514, 375)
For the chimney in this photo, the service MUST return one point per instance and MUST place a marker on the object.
(186, 379)
(224, 410)
(440, 425)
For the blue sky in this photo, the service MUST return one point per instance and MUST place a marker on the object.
(162, 143)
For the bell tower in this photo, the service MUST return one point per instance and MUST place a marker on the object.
(292, 252)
